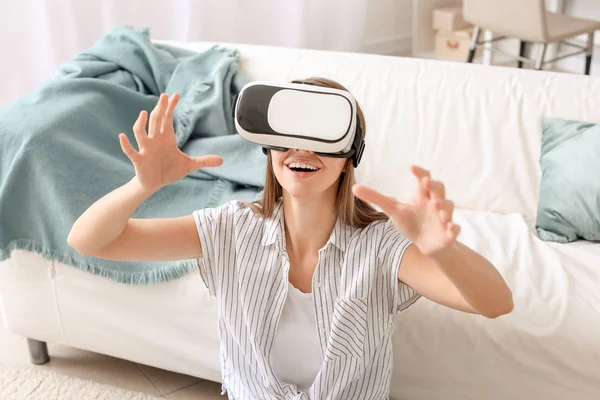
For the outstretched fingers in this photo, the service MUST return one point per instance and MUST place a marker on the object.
(423, 181)
(128, 149)
(157, 115)
(444, 210)
(168, 118)
(386, 203)
(139, 129)
(206, 161)
(452, 231)
(437, 190)
(419, 172)
(428, 188)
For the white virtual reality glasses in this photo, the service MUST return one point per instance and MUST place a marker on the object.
(282, 116)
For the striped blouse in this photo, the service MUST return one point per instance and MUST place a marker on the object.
(356, 294)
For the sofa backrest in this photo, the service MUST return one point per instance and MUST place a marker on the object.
(476, 128)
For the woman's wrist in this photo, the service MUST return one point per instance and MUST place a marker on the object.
(137, 186)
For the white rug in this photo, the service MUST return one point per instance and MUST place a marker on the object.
(20, 382)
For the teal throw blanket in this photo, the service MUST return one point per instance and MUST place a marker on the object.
(60, 152)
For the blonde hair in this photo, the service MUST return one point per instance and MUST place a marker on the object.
(349, 209)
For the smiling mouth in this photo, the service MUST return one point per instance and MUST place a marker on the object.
(300, 167)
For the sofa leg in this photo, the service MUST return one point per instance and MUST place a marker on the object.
(38, 352)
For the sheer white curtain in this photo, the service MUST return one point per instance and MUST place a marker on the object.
(36, 36)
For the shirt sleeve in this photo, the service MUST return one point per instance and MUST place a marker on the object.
(215, 227)
(392, 248)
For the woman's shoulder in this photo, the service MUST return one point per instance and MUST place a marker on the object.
(240, 208)
(230, 210)
(378, 226)
(236, 205)
(381, 232)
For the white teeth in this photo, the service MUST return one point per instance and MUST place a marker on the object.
(304, 166)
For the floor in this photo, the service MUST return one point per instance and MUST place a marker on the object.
(111, 371)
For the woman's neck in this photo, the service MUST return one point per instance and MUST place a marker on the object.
(308, 222)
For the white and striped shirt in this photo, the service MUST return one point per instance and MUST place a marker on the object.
(356, 294)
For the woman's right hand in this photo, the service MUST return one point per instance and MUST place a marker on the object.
(159, 162)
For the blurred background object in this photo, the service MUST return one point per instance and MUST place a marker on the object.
(38, 35)
(530, 23)
(431, 37)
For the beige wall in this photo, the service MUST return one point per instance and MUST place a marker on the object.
(389, 27)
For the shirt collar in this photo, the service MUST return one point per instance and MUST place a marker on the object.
(273, 231)
(273, 227)
(340, 235)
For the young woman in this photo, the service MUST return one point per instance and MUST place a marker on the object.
(308, 279)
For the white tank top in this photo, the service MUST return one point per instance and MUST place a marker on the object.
(296, 355)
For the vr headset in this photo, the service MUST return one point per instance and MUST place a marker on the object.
(282, 116)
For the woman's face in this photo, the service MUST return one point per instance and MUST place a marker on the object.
(302, 173)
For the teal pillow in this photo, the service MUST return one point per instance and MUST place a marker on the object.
(569, 197)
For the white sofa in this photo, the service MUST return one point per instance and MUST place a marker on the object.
(478, 129)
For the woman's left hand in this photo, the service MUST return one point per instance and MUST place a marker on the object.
(427, 222)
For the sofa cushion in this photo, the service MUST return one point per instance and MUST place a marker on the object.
(569, 198)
